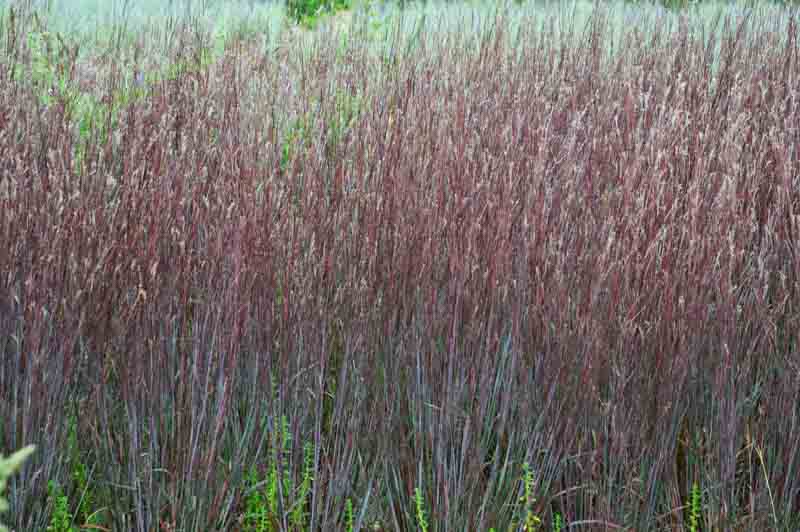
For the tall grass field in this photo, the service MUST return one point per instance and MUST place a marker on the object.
(350, 265)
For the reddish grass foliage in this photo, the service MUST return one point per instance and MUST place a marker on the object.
(534, 252)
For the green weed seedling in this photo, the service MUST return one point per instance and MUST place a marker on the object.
(694, 508)
(531, 521)
(348, 515)
(80, 477)
(419, 506)
(62, 519)
(558, 523)
(9, 466)
(261, 506)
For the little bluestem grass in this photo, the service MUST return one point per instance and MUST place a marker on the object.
(459, 243)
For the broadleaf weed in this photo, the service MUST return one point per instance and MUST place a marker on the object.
(62, 519)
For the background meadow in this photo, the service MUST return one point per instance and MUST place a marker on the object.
(441, 266)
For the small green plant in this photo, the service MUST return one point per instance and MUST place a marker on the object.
(532, 521)
(348, 515)
(298, 137)
(298, 514)
(419, 504)
(261, 507)
(8, 466)
(694, 508)
(346, 110)
(558, 523)
(256, 515)
(80, 475)
(61, 520)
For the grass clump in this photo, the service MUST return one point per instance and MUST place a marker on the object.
(342, 279)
